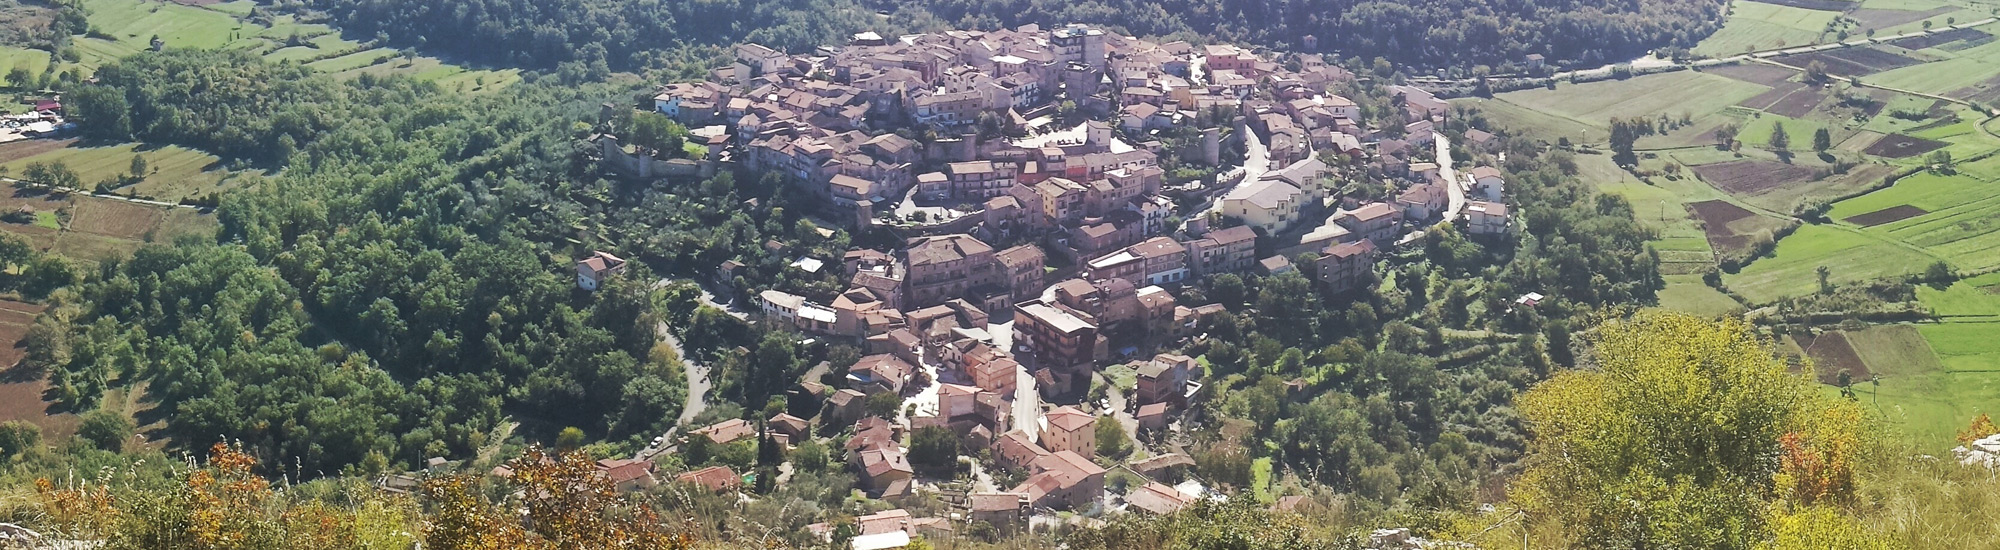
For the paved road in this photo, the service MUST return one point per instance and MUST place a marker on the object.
(1121, 411)
(697, 395)
(698, 383)
(1450, 175)
(1027, 398)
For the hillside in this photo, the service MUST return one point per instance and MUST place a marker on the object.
(1437, 33)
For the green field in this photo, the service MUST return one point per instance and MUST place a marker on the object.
(12, 57)
(1932, 397)
(1754, 26)
(1686, 293)
(173, 172)
(1960, 226)
(1851, 254)
(1594, 104)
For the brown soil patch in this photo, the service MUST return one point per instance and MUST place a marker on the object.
(1715, 216)
(1851, 61)
(1772, 96)
(1758, 73)
(1799, 103)
(1986, 91)
(1822, 5)
(21, 391)
(1936, 39)
(1831, 354)
(1882, 19)
(1886, 215)
(1749, 177)
(17, 150)
(115, 218)
(1900, 146)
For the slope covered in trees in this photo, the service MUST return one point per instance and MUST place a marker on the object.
(621, 34)
(387, 294)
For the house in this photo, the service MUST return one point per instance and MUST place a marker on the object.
(1347, 266)
(1165, 379)
(1375, 221)
(592, 271)
(844, 406)
(1070, 429)
(1486, 181)
(1014, 450)
(885, 472)
(1063, 479)
(1269, 205)
(1226, 251)
(1000, 375)
(627, 474)
(728, 431)
(1024, 269)
(1157, 499)
(1007, 513)
(1156, 261)
(1152, 416)
(880, 373)
(793, 428)
(1486, 218)
(714, 478)
(947, 266)
(1423, 200)
(1275, 265)
(1056, 334)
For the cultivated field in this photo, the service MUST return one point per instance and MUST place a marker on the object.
(173, 172)
(1763, 26)
(128, 26)
(21, 390)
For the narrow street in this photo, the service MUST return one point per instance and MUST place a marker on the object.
(1450, 176)
(1121, 411)
(1256, 161)
(698, 383)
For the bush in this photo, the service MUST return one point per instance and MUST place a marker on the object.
(106, 430)
(17, 437)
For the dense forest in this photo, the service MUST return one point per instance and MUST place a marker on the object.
(591, 36)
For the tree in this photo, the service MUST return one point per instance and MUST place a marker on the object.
(1725, 135)
(1669, 441)
(1940, 273)
(653, 130)
(1111, 441)
(1816, 72)
(1227, 289)
(883, 404)
(57, 174)
(138, 169)
(17, 437)
(19, 77)
(1825, 273)
(1822, 140)
(570, 438)
(101, 112)
(105, 429)
(1780, 141)
(934, 449)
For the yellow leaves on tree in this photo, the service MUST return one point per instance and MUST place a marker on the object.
(1982, 427)
(1678, 435)
(567, 505)
(223, 505)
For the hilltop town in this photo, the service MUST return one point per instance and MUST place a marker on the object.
(1051, 190)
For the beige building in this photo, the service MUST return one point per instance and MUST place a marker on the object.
(1070, 429)
(945, 267)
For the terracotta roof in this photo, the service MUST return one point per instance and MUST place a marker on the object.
(880, 462)
(1158, 499)
(1070, 419)
(728, 431)
(715, 478)
(994, 502)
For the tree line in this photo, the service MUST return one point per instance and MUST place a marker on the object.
(591, 36)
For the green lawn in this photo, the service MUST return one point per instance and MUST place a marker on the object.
(1930, 398)
(1686, 293)
(1849, 254)
(12, 57)
(1759, 26)
(1260, 480)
